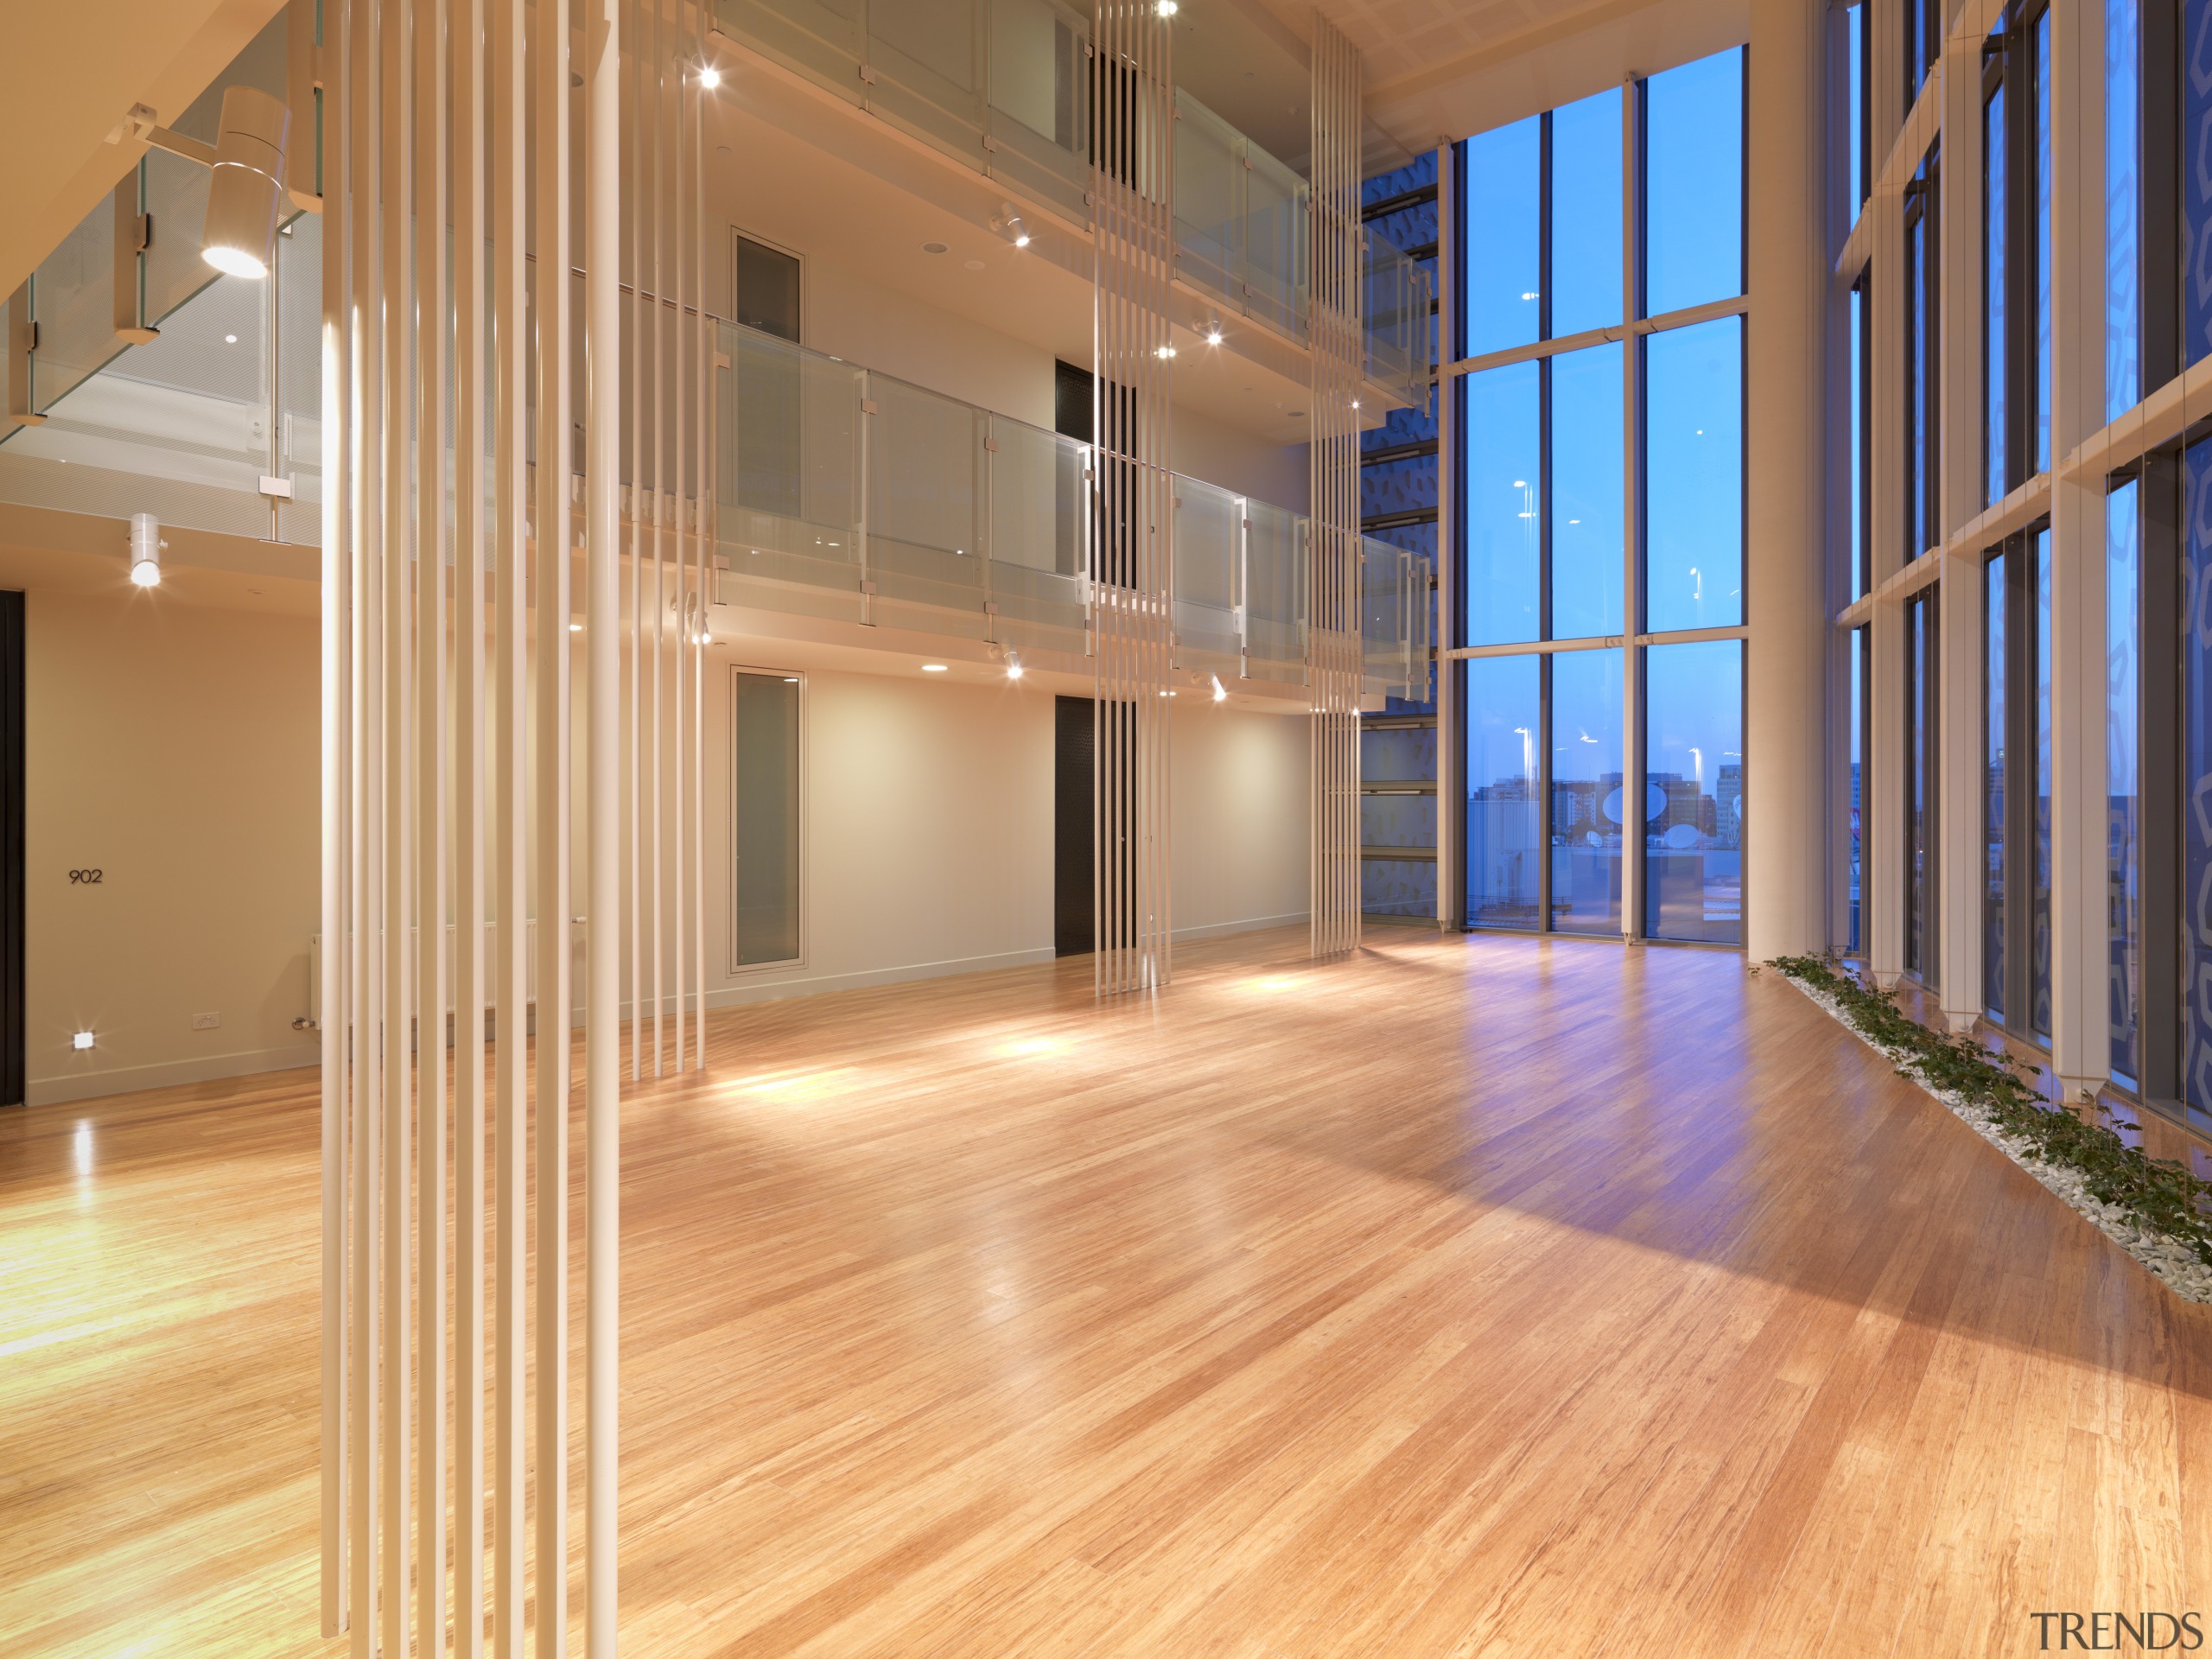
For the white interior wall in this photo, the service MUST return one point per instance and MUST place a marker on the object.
(928, 828)
(173, 748)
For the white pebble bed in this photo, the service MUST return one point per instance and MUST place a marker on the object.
(2175, 1263)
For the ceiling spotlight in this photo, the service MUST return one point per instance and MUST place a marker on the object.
(1166, 8)
(1213, 333)
(1163, 351)
(146, 545)
(711, 77)
(83, 1039)
(230, 339)
(245, 193)
(1013, 665)
(1007, 223)
(1220, 695)
(1021, 239)
(933, 667)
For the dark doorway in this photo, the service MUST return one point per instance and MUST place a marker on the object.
(11, 850)
(1074, 748)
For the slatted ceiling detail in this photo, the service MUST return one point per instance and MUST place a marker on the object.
(1333, 641)
(436, 787)
(1133, 545)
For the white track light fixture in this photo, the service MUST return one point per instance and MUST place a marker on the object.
(146, 545)
(1007, 223)
(245, 193)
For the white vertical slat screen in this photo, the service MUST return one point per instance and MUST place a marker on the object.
(453, 382)
(1133, 549)
(1334, 633)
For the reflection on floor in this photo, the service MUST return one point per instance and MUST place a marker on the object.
(1468, 1296)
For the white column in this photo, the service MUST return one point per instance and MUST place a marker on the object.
(602, 689)
(1784, 881)
(1961, 784)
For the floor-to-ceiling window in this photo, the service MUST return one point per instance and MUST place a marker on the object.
(1601, 511)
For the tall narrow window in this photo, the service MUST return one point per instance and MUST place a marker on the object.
(1920, 775)
(1995, 661)
(1585, 492)
(2123, 860)
(1504, 504)
(2196, 861)
(2039, 965)
(1504, 825)
(1855, 830)
(1585, 218)
(765, 820)
(1862, 416)
(1694, 183)
(2040, 71)
(1586, 781)
(1922, 342)
(1502, 246)
(1856, 50)
(1694, 476)
(1995, 223)
(2196, 190)
(2123, 200)
(1694, 809)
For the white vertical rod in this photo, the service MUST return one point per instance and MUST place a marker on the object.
(511, 833)
(396, 765)
(364, 915)
(602, 394)
(429, 317)
(635, 198)
(701, 542)
(334, 945)
(1632, 517)
(660, 498)
(679, 884)
(468, 828)
(550, 789)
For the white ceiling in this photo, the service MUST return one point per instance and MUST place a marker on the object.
(68, 75)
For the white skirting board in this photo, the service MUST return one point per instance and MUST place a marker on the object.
(130, 1079)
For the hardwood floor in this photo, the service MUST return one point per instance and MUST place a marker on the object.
(1471, 1296)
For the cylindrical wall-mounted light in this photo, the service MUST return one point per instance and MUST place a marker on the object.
(146, 545)
(245, 193)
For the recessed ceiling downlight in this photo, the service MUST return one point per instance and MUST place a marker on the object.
(935, 247)
(934, 668)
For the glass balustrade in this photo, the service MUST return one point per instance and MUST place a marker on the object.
(1004, 87)
(839, 491)
(848, 494)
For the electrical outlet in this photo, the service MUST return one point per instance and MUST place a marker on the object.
(205, 1021)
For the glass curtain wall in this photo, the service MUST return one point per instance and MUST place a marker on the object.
(1546, 535)
(1921, 681)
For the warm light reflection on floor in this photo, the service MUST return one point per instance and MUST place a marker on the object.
(797, 1088)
